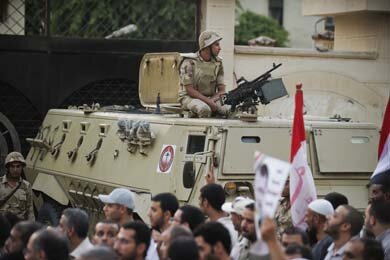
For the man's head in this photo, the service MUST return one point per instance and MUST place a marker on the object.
(74, 223)
(336, 199)
(132, 240)
(248, 227)
(170, 234)
(363, 249)
(183, 248)
(47, 244)
(14, 163)
(118, 204)
(105, 233)
(378, 216)
(294, 235)
(235, 209)
(209, 42)
(286, 189)
(317, 212)
(99, 253)
(163, 208)
(189, 216)
(213, 240)
(296, 251)
(212, 197)
(346, 221)
(20, 235)
(380, 186)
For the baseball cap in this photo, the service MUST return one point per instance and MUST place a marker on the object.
(119, 196)
(322, 207)
(237, 206)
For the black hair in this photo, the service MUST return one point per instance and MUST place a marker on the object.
(78, 220)
(291, 230)
(54, 244)
(336, 199)
(168, 202)
(213, 232)
(142, 233)
(354, 218)
(26, 229)
(214, 194)
(381, 211)
(373, 249)
(298, 249)
(183, 248)
(192, 215)
(251, 206)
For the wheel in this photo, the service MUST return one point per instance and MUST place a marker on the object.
(50, 212)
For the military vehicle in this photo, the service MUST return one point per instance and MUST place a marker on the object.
(89, 150)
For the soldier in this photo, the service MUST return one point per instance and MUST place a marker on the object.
(16, 193)
(201, 78)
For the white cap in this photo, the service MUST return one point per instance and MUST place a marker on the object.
(237, 206)
(322, 207)
(119, 196)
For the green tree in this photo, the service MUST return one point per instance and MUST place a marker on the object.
(251, 25)
(155, 19)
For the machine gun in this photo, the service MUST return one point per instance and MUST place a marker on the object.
(248, 94)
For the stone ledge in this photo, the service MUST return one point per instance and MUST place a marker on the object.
(239, 49)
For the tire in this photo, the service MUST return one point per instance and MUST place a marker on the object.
(50, 213)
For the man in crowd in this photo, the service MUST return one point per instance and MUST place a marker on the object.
(74, 225)
(18, 239)
(16, 193)
(202, 78)
(118, 205)
(345, 223)
(316, 217)
(162, 210)
(235, 209)
(380, 186)
(283, 213)
(212, 197)
(294, 235)
(248, 231)
(363, 249)
(105, 233)
(47, 244)
(188, 216)
(378, 222)
(133, 241)
(336, 199)
(99, 253)
(213, 241)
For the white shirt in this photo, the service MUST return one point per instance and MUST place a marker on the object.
(152, 253)
(227, 222)
(81, 248)
(338, 255)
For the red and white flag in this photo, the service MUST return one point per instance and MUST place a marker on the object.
(302, 188)
(384, 145)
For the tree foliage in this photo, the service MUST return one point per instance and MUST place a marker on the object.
(252, 25)
(155, 19)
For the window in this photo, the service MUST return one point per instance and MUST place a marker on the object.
(195, 144)
(275, 10)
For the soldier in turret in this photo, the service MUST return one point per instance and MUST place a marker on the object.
(202, 78)
(15, 192)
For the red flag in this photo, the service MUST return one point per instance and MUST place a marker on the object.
(302, 188)
(384, 144)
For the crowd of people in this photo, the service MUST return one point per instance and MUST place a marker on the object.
(215, 229)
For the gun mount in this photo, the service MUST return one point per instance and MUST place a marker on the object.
(248, 94)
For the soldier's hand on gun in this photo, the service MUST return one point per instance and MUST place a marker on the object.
(213, 106)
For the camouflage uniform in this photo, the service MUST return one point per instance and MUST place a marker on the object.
(283, 216)
(205, 78)
(20, 202)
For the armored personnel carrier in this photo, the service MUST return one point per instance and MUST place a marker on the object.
(85, 151)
